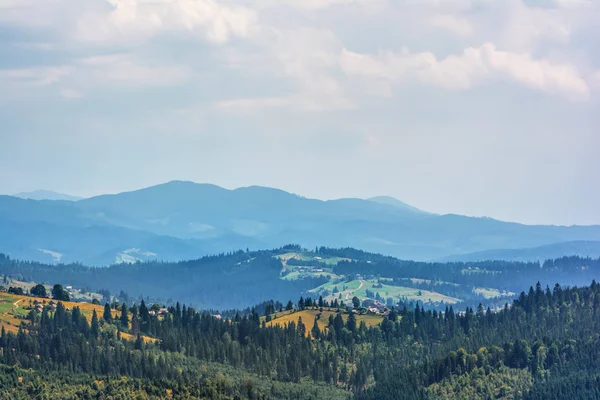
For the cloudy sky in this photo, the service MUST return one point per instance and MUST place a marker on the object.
(478, 107)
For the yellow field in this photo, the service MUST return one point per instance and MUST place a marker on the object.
(13, 306)
(308, 317)
(146, 339)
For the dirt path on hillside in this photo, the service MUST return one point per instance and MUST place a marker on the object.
(357, 289)
(16, 305)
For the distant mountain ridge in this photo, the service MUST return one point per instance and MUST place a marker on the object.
(392, 201)
(580, 248)
(179, 220)
(47, 195)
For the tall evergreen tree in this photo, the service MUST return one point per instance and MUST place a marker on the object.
(107, 316)
(95, 328)
(124, 316)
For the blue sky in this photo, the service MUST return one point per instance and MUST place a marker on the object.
(477, 107)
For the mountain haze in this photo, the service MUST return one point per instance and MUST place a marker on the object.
(47, 195)
(540, 253)
(178, 220)
(392, 201)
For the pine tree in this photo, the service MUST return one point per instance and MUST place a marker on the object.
(139, 342)
(107, 316)
(95, 329)
(124, 316)
(301, 327)
(315, 331)
(351, 323)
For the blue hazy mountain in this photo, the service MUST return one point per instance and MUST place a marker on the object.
(179, 220)
(580, 248)
(47, 195)
(392, 201)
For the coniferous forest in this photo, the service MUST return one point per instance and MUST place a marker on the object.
(299, 199)
(545, 344)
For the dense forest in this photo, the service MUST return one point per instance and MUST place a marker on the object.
(232, 280)
(543, 345)
(243, 278)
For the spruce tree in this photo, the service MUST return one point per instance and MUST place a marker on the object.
(95, 329)
(124, 316)
(315, 331)
(107, 316)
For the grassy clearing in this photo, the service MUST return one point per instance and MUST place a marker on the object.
(308, 317)
(490, 293)
(313, 262)
(359, 289)
(294, 275)
(11, 316)
(430, 282)
(469, 271)
(78, 294)
(309, 256)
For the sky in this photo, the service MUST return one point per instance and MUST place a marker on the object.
(475, 107)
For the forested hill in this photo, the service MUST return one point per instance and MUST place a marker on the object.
(244, 278)
(544, 345)
(233, 280)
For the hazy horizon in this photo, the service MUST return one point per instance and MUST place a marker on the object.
(81, 197)
(466, 107)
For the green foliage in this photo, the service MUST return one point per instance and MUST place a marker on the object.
(484, 383)
(545, 345)
(39, 290)
(60, 294)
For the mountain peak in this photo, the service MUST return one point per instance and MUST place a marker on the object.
(392, 201)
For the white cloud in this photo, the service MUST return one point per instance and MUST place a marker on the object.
(248, 105)
(68, 93)
(462, 71)
(118, 22)
(539, 74)
(455, 24)
(39, 76)
(93, 72)
(300, 44)
(596, 80)
(315, 5)
(297, 102)
(307, 57)
(573, 3)
(134, 20)
(125, 70)
(526, 26)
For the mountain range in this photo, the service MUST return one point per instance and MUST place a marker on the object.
(182, 220)
(47, 195)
